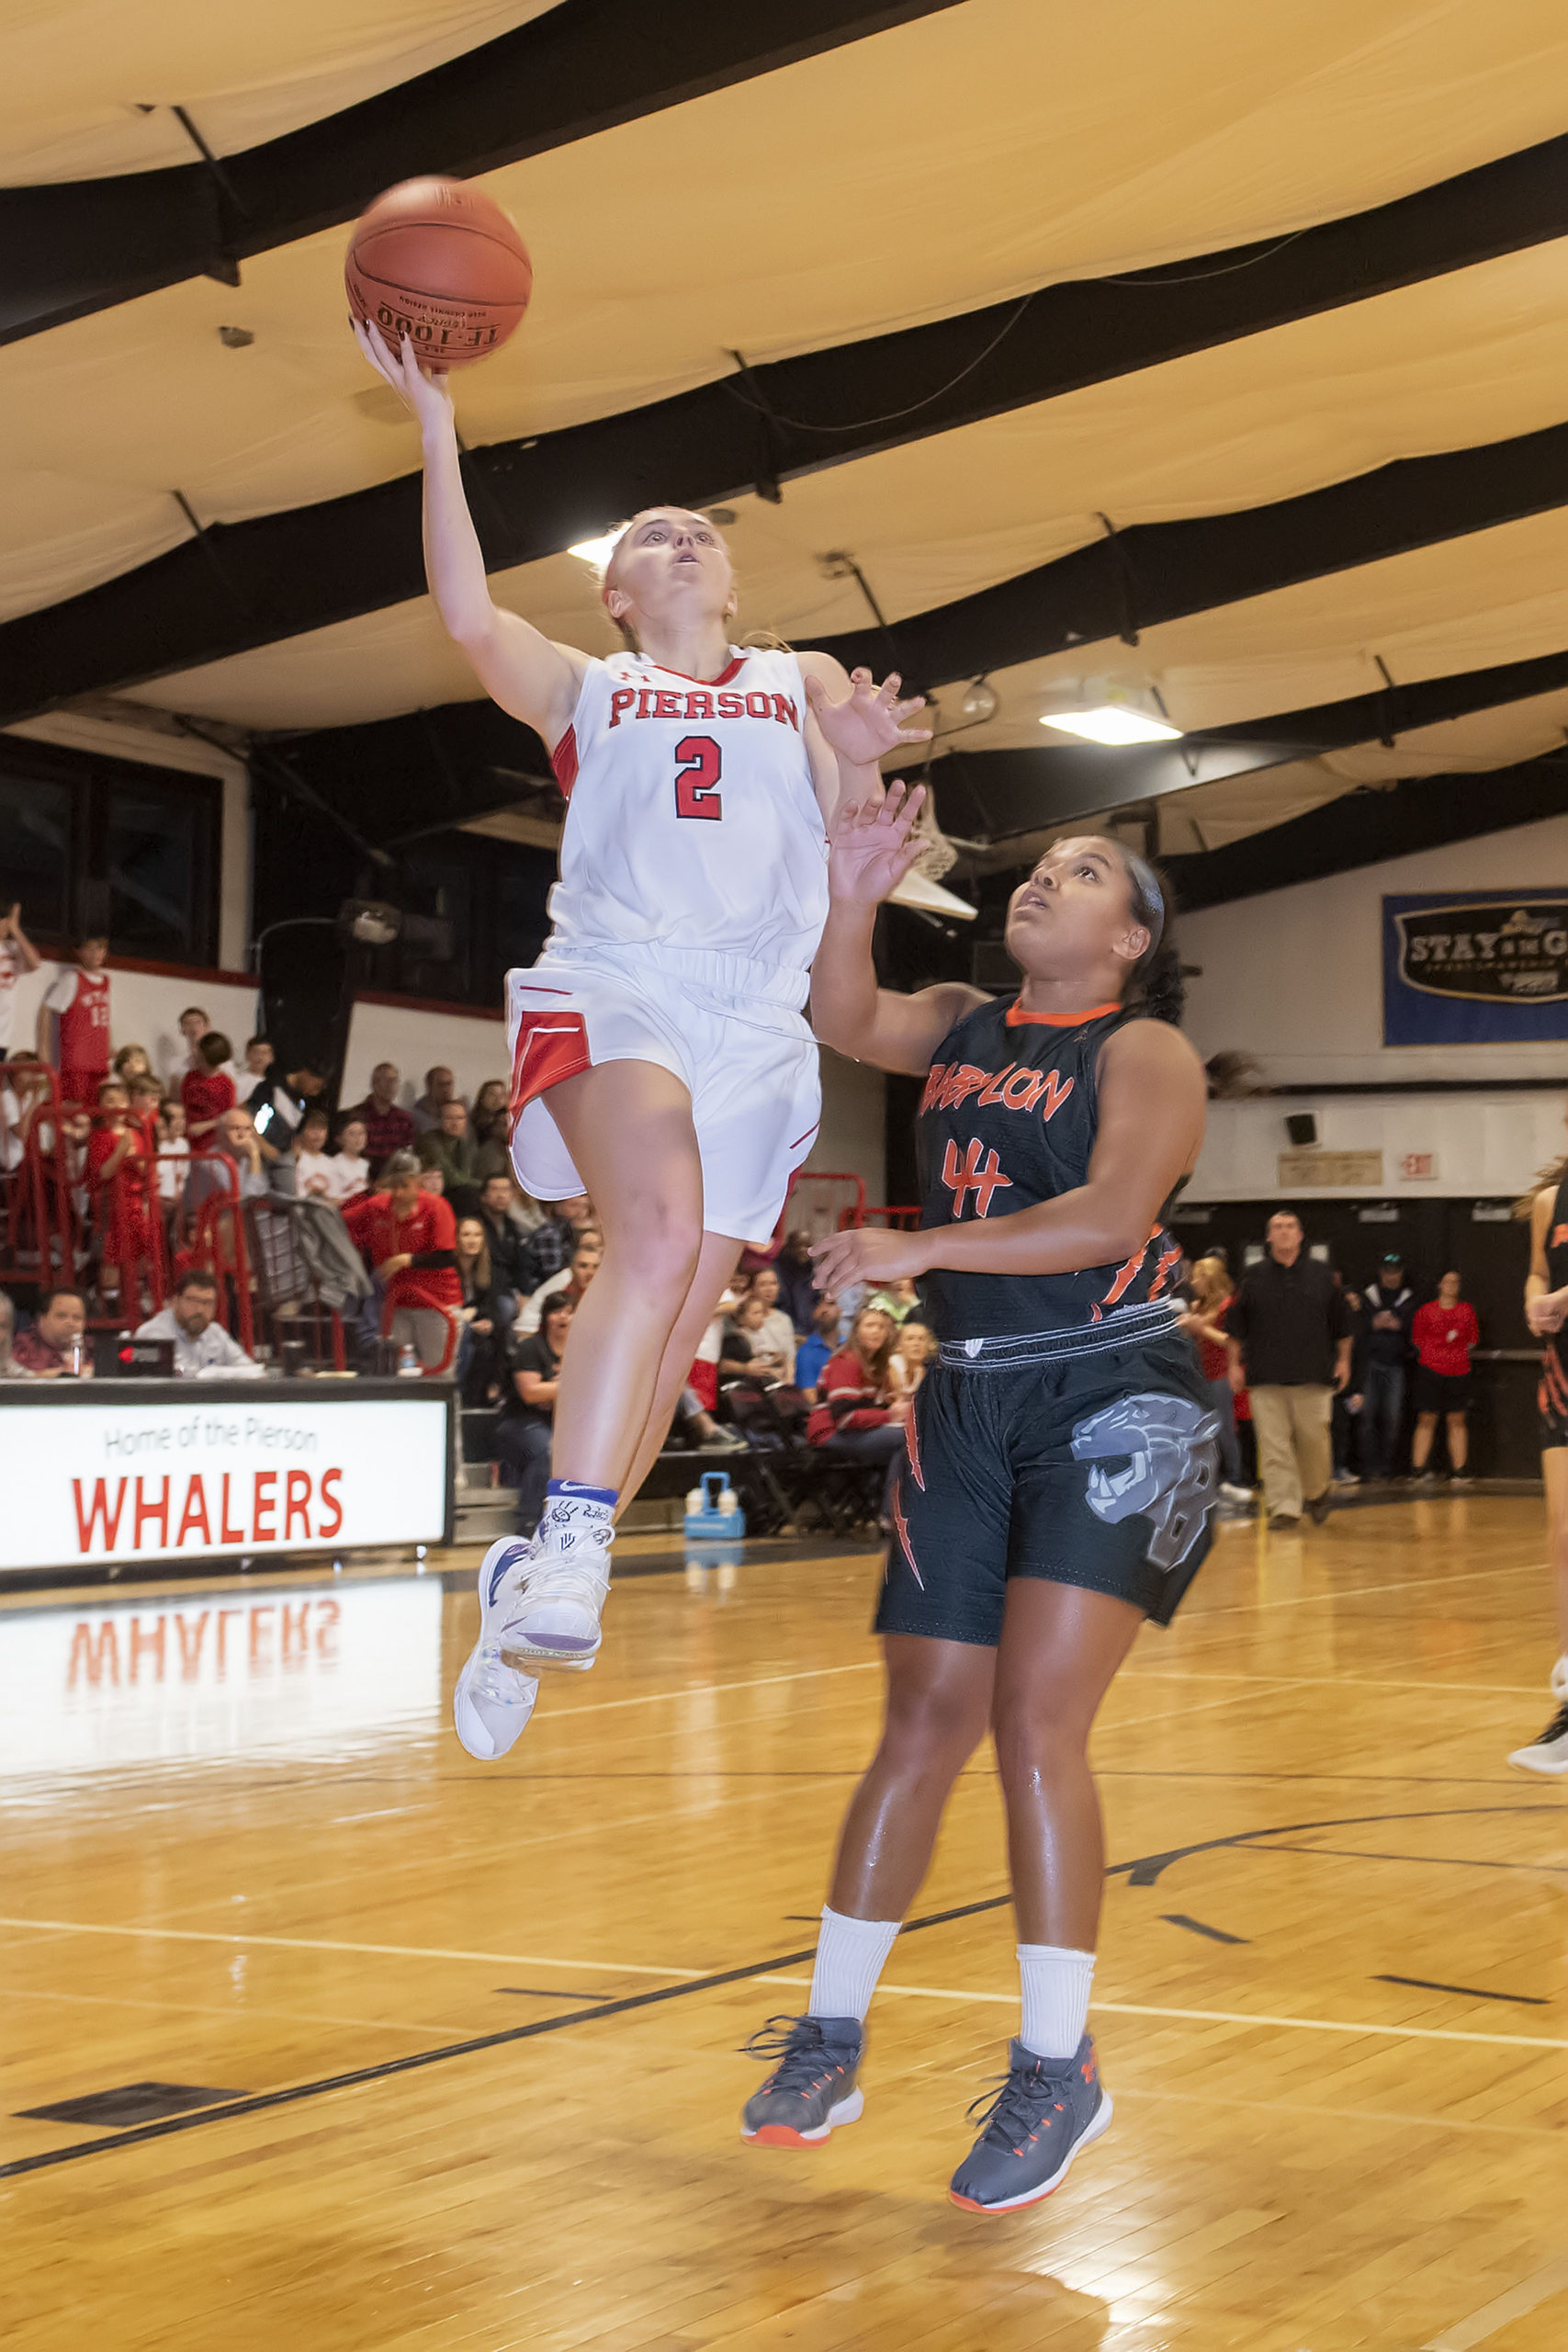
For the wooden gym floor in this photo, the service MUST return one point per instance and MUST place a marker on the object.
(461, 2039)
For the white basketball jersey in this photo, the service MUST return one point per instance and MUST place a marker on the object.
(691, 818)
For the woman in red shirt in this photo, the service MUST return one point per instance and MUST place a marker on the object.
(1444, 1332)
(1204, 1324)
(862, 1413)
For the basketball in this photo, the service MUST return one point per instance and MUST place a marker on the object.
(440, 262)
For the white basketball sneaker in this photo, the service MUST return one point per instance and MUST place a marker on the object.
(555, 1619)
(1549, 1754)
(492, 1701)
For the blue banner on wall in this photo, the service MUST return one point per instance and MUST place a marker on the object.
(1490, 968)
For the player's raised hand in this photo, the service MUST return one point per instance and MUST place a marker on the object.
(869, 722)
(871, 844)
(426, 394)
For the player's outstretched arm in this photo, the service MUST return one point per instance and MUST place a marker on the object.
(870, 850)
(1153, 1095)
(526, 672)
(851, 723)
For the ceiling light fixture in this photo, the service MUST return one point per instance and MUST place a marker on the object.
(595, 551)
(1100, 712)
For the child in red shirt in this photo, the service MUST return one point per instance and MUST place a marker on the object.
(409, 1237)
(1444, 1332)
(78, 1005)
(208, 1091)
(120, 1184)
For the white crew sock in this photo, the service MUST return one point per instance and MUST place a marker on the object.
(1560, 1678)
(849, 1956)
(1056, 1998)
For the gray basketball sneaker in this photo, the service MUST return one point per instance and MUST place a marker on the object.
(812, 2087)
(1046, 2112)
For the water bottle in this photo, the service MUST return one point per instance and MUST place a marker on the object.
(409, 1366)
(74, 1360)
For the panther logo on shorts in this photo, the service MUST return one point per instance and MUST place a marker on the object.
(1173, 1461)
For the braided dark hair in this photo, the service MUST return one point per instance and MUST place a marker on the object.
(1156, 988)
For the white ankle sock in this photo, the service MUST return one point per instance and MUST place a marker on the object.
(849, 1956)
(1056, 1998)
(1560, 1678)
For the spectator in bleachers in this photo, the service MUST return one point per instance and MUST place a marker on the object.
(523, 1435)
(914, 1354)
(449, 1146)
(486, 1314)
(235, 1138)
(440, 1086)
(818, 1347)
(9, 1368)
(173, 1151)
(571, 1283)
(504, 1238)
(17, 956)
(146, 1097)
(74, 1023)
(313, 1169)
(55, 1349)
(119, 1192)
(749, 1348)
(408, 1237)
(189, 1319)
(272, 1106)
(860, 1411)
(207, 1091)
(491, 1117)
(132, 1062)
(388, 1126)
(551, 1244)
(797, 1281)
(350, 1169)
(777, 1328)
(899, 1299)
(193, 1026)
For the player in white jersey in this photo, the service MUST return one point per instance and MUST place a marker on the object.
(660, 1061)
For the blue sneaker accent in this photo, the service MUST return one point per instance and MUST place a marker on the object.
(504, 1556)
(608, 1496)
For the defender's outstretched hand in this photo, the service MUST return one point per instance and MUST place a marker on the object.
(870, 721)
(426, 394)
(871, 844)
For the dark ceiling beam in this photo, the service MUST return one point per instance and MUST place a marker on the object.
(1165, 572)
(280, 575)
(81, 245)
(994, 795)
(1366, 827)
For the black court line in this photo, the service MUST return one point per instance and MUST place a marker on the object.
(1197, 1928)
(552, 1993)
(1143, 1871)
(419, 2058)
(1471, 1992)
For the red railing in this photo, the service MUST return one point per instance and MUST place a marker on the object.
(40, 1231)
(895, 1220)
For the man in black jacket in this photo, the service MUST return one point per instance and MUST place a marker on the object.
(1289, 1332)
(1388, 1309)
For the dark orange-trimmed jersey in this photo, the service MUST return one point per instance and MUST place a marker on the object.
(1007, 1120)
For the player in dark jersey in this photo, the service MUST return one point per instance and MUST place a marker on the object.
(1546, 1311)
(1062, 1455)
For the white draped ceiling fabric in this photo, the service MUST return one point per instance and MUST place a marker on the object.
(968, 157)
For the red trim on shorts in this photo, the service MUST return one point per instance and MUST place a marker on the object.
(902, 1525)
(563, 759)
(1017, 1019)
(912, 1448)
(551, 1045)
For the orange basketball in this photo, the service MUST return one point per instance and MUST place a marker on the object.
(440, 262)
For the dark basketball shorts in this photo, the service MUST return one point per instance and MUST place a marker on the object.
(1442, 1392)
(1552, 1398)
(1088, 1457)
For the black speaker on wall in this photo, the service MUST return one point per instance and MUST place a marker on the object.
(1300, 1127)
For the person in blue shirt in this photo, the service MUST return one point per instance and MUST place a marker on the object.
(814, 1351)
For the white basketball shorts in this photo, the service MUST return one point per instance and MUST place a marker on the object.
(749, 1064)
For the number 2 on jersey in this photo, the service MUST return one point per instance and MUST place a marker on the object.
(696, 777)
